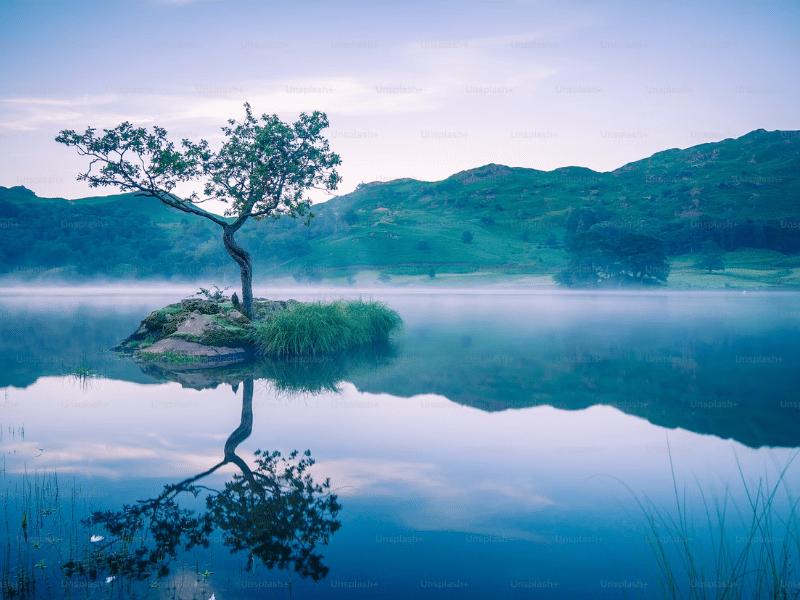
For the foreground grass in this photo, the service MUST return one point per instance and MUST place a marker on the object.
(706, 561)
(325, 328)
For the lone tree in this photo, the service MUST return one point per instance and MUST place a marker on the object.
(262, 170)
(711, 257)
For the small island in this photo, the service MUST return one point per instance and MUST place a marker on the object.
(211, 331)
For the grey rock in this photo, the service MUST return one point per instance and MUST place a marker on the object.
(197, 324)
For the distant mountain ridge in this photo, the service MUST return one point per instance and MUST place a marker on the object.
(741, 193)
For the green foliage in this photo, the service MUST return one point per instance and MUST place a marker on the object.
(83, 372)
(317, 328)
(642, 257)
(682, 197)
(155, 320)
(711, 257)
(275, 163)
(270, 163)
(594, 260)
(232, 337)
(169, 328)
(255, 154)
(216, 296)
(308, 272)
(350, 217)
(591, 259)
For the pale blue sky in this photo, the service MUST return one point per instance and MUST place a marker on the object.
(411, 89)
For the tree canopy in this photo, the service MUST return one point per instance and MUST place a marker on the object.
(594, 260)
(710, 257)
(262, 170)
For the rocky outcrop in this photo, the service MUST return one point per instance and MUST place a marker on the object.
(197, 324)
(198, 333)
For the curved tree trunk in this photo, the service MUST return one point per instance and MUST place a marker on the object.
(242, 433)
(242, 258)
(246, 425)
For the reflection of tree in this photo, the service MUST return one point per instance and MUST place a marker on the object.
(274, 512)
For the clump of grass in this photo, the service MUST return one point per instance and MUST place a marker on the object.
(762, 561)
(325, 328)
(83, 373)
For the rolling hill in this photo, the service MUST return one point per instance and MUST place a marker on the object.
(742, 193)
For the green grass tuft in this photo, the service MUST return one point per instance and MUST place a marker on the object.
(761, 561)
(317, 328)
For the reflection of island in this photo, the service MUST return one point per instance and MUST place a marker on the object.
(299, 374)
(706, 373)
(274, 512)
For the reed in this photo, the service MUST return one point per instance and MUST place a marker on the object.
(325, 328)
(704, 560)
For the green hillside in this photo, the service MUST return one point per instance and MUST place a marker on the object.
(741, 193)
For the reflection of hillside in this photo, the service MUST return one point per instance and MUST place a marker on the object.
(49, 342)
(711, 386)
(676, 368)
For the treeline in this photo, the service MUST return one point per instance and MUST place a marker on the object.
(109, 240)
(686, 235)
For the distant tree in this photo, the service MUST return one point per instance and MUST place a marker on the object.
(432, 273)
(350, 217)
(711, 257)
(466, 237)
(262, 170)
(423, 246)
(642, 257)
(591, 259)
(594, 260)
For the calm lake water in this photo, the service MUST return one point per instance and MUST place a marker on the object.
(507, 445)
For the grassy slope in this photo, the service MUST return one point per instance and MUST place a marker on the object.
(518, 216)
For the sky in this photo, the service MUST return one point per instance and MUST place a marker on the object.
(420, 89)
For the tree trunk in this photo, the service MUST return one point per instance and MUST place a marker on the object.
(242, 258)
(246, 425)
(241, 434)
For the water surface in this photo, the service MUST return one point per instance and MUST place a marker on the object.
(497, 450)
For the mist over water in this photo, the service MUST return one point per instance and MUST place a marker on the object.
(499, 445)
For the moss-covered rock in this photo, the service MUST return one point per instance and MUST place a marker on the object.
(206, 327)
(204, 307)
(233, 337)
(155, 320)
(235, 317)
